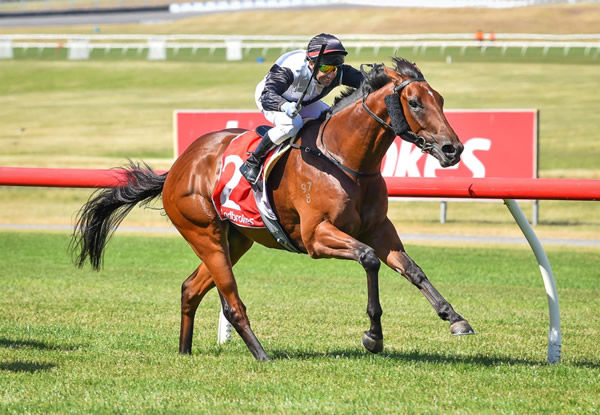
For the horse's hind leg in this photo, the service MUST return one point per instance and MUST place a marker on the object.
(212, 246)
(198, 284)
(193, 290)
(390, 249)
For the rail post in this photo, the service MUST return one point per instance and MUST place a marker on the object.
(554, 334)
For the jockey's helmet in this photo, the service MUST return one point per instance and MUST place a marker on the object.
(333, 54)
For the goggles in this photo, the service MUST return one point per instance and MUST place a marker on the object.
(328, 68)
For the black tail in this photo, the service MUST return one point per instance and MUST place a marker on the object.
(106, 208)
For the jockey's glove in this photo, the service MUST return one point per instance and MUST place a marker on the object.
(290, 109)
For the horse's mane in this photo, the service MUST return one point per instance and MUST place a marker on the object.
(374, 80)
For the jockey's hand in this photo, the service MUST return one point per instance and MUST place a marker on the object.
(290, 109)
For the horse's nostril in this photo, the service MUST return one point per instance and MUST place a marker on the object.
(449, 150)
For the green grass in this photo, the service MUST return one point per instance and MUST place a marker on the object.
(77, 341)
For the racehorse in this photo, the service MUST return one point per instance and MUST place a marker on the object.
(345, 216)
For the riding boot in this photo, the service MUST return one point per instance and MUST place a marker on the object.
(251, 168)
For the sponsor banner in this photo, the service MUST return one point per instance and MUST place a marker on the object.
(498, 143)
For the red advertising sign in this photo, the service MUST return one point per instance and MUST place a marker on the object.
(498, 143)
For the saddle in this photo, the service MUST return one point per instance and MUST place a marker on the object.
(239, 202)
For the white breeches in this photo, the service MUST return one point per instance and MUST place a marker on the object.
(286, 127)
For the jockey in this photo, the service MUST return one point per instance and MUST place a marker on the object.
(278, 93)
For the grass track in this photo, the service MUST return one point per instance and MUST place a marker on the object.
(78, 341)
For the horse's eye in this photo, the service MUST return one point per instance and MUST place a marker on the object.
(414, 103)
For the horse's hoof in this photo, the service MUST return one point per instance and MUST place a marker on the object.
(262, 357)
(461, 328)
(371, 344)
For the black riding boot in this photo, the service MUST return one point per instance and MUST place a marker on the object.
(251, 168)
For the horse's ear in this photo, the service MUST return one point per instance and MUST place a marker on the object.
(366, 65)
(373, 67)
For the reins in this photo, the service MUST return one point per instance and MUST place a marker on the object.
(331, 158)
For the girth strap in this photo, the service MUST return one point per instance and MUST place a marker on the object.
(277, 232)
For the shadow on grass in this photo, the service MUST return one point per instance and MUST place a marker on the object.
(474, 360)
(34, 344)
(29, 367)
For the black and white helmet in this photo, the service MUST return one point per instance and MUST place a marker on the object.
(334, 52)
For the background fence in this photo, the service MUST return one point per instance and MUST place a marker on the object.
(155, 46)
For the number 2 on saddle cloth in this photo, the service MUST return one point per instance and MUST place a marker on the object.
(234, 198)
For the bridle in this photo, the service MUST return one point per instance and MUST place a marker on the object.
(399, 125)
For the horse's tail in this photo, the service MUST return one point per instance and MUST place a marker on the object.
(106, 208)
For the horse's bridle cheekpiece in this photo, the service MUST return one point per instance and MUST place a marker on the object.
(397, 119)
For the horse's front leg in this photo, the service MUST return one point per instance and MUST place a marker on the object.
(389, 248)
(327, 241)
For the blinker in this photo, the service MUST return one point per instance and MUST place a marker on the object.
(397, 118)
(399, 125)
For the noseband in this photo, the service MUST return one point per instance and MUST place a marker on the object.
(398, 121)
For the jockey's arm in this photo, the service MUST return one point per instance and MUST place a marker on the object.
(278, 80)
(351, 77)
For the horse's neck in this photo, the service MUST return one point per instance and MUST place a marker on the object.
(357, 139)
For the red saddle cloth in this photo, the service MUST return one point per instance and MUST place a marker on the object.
(233, 197)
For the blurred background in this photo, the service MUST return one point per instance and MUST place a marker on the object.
(92, 83)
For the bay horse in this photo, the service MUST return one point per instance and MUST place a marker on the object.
(345, 216)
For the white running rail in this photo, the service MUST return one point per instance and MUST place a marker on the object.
(80, 46)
